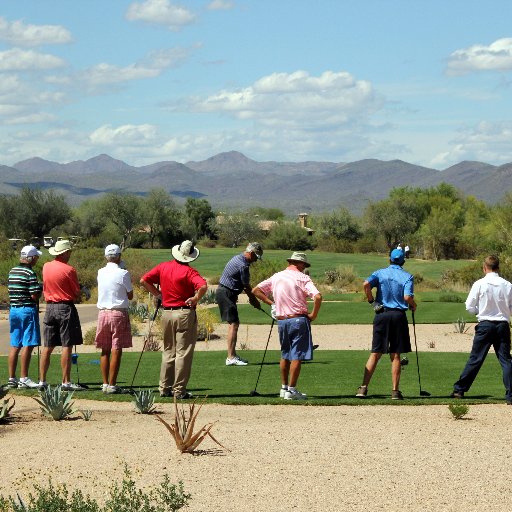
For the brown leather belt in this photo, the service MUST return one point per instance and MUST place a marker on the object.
(291, 316)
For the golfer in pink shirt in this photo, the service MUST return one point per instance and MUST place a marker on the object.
(290, 289)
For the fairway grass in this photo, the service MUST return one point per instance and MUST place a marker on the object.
(331, 379)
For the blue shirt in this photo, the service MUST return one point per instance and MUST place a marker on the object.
(236, 274)
(392, 284)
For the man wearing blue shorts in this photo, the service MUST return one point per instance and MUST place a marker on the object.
(290, 290)
(24, 292)
(395, 294)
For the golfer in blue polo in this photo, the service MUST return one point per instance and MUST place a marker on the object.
(395, 294)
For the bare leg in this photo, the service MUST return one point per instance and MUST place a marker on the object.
(284, 366)
(371, 364)
(65, 363)
(13, 361)
(295, 367)
(26, 354)
(105, 364)
(232, 338)
(396, 369)
(115, 363)
(45, 362)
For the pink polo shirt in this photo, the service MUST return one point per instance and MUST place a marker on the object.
(290, 289)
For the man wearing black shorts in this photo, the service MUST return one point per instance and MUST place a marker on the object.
(234, 280)
(61, 324)
(395, 294)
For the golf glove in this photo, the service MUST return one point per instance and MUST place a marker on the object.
(273, 311)
(86, 292)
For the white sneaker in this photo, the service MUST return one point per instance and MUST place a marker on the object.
(71, 386)
(12, 383)
(294, 394)
(27, 384)
(104, 388)
(282, 392)
(236, 361)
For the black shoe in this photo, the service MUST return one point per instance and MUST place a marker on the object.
(184, 396)
(457, 394)
(166, 394)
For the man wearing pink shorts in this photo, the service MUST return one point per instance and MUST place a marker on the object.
(113, 332)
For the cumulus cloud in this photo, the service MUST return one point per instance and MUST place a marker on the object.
(16, 59)
(495, 57)
(297, 100)
(161, 12)
(21, 34)
(127, 134)
(220, 5)
(485, 142)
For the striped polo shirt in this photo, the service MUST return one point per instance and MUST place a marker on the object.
(22, 283)
(236, 274)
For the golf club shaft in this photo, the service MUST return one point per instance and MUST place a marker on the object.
(264, 354)
(150, 326)
(416, 347)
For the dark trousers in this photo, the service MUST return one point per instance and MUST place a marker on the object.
(488, 333)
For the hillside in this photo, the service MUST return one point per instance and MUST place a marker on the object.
(231, 180)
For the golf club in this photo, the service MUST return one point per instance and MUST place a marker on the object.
(254, 392)
(422, 392)
(150, 326)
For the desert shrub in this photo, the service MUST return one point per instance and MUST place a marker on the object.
(265, 268)
(342, 275)
(206, 242)
(331, 244)
(450, 297)
(206, 323)
(87, 261)
(124, 497)
(214, 279)
(288, 236)
(460, 326)
(458, 410)
(90, 336)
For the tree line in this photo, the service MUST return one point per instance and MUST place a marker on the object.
(437, 222)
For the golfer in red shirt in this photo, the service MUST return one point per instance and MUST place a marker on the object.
(181, 288)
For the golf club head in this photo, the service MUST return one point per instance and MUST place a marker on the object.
(424, 393)
(404, 361)
(254, 393)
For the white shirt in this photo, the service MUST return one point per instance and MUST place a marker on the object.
(490, 298)
(114, 285)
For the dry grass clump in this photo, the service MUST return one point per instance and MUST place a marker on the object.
(182, 429)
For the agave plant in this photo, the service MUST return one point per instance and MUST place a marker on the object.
(182, 429)
(55, 403)
(3, 392)
(86, 414)
(144, 401)
(5, 408)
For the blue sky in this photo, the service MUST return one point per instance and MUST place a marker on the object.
(428, 82)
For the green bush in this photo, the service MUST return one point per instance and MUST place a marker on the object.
(90, 336)
(122, 498)
(450, 297)
(288, 236)
(265, 268)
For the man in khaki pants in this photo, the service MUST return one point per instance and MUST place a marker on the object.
(181, 288)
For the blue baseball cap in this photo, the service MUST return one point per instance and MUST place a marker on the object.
(397, 256)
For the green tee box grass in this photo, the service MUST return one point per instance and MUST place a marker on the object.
(212, 262)
(332, 378)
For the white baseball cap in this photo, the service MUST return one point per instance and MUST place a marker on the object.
(29, 250)
(112, 250)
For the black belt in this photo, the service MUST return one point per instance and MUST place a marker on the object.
(394, 309)
(174, 308)
(68, 302)
(23, 306)
(230, 289)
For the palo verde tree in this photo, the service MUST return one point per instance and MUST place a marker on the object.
(33, 213)
(236, 228)
(124, 211)
(198, 215)
(161, 215)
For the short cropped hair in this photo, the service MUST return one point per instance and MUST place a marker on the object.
(492, 262)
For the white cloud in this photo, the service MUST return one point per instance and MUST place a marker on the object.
(30, 118)
(495, 57)
(485, 142)
(128, 134)
(20, 34)
(16, 59)
(220, 5)
(297, 100)
(161, 12)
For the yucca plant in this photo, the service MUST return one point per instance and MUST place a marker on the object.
(55, 403)
(144, 401)
(182, 429)
(6, 408)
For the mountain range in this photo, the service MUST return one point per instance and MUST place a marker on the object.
(232, 181)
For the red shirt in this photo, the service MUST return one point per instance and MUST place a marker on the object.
(60, 282)
(178, 282)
